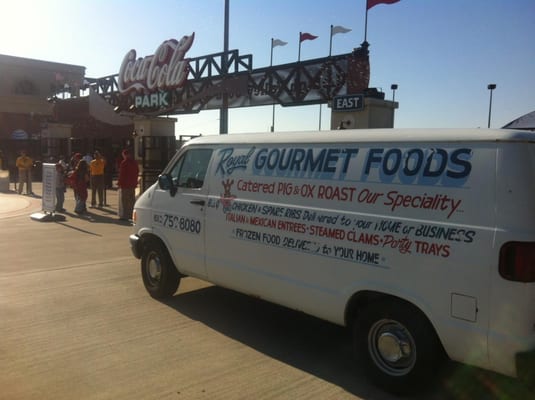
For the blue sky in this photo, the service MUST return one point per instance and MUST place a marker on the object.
(441, 53)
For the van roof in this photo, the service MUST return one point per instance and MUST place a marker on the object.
(372, 135)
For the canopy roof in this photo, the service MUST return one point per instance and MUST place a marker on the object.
(100, 109)
(526, 121)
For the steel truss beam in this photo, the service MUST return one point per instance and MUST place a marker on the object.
(307, 82)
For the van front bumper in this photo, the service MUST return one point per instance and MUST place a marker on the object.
(135, 245)
(525, 367)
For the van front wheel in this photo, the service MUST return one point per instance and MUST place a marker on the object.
(396, 346)
(160, 277)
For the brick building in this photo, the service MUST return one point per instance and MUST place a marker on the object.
(47, 126)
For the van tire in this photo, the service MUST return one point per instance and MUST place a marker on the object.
(160, 276)
(396, 346)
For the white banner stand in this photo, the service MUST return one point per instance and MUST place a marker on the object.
(49, 196)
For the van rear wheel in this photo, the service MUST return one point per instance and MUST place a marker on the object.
(160, 277)
(396, 346)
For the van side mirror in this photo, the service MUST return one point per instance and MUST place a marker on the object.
(165, 182)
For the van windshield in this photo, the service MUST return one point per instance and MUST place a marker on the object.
(190, 169)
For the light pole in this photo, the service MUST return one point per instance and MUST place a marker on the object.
(394, 87)
(491, 87)
(223, 111)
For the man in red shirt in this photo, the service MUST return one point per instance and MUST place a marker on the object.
(127, 183)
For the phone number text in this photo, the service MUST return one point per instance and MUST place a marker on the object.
(179, 223)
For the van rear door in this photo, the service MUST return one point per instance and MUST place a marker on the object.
(512, 323)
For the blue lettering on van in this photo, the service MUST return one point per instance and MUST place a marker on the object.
(228, 161)
(418, 166)
(299, 161)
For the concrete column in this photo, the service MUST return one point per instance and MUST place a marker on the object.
(149, 135)
(377, 113)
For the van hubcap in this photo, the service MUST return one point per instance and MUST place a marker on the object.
(154, 269)
(392, 347)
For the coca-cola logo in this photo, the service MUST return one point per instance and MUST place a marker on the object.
(165, 69)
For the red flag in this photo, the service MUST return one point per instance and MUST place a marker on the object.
(306, 36)
(373, 3)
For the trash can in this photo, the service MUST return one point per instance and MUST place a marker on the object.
(4, 180)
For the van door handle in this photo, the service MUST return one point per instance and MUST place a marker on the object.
(198, 202)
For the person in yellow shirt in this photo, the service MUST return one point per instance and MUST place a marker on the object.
(96, 170)
(24, 163)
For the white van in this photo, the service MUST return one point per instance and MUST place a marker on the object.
(421, 241)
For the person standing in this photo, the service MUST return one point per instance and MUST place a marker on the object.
(60, 187)
(96, 169)
(88, 158)
(127, 183)
(63, 163)
(24, 164)
(79, 181)
(73, 162)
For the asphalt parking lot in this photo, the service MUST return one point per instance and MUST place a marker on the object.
(76, 323)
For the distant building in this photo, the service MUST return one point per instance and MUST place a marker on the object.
(47, 126)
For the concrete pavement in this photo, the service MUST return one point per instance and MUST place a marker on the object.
(12, 204)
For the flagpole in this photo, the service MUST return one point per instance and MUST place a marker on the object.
(273, 113)
(299, 53)
(366, 23)
(330, 52)
(331, 42)
(271, 58)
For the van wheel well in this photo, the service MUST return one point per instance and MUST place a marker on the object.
(148, 239)
(160, 277)
(363, 299)
(358, 302)
(395, 344)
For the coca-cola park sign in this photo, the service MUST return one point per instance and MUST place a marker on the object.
(165, 69)
(167, 82)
